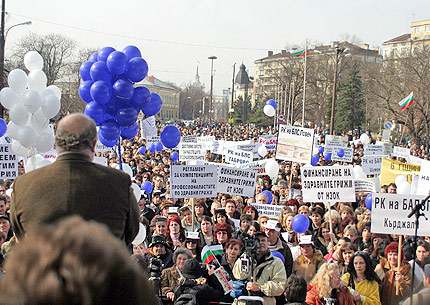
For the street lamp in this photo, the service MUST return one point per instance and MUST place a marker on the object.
(212, 85)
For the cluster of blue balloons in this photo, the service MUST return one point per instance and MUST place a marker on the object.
(113, 102)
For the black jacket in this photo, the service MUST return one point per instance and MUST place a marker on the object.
(210, 292)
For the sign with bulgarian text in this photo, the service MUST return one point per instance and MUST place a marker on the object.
(373, 150)
(236, 156)
(270, 141)
(401, 152)
(193, 181)
(390, 214)
(270, 210)
(256, 166)
(348, 154)
(423, 185)
(8, 162)
(327, 184)
(364, 185)
(148, 128)
(295, 144)
(371, 165)
(390, 169)
(236, 181)
(192, 152)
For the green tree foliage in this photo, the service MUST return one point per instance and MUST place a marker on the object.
(350, 106)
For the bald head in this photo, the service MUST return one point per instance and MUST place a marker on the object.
(76, 132)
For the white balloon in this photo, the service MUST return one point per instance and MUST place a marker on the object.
(56, 90)
(38, 121)
(18, 114)
(19, 149)
(141, 235)
(13, 130)
(37, 80)
(399, 179)
(45, 92)
(27, 136)
(45, 142)
(364, 139)
(404, 188)
(357, 172)
(272, 168)
(17, 80)
(50, 106)
(32, 162)
(136, 191)
(125, 168)
(262, 151)
(33, 61)
(32, 100)
(8, 97)
(43, 163)
(269, 110)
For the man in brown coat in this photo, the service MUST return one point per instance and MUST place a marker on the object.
(73, 184)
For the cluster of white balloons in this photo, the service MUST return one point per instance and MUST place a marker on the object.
(403, 186)
(272, 168)
(364, 139)
(31, 104)
(357, 172)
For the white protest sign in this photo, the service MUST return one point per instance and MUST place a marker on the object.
(270, 141)
(270, 210)
(152, 140)
(192, 152)
(386, 133)
(193, 181)
(253, 147)
(102, 148)
(236, 156)
(348, 154)
(258, 166)
(148, 128)
(401, 152)
(293, 193)
(8, 162)
(224, 279)
(50, 155)
(295, 144)
(414, 160)
(373, 150)
(371, 165)
(364, 185)
(207, 141)
(189, 139)
(390, 214)
(423, 187)
(100, 160)
(327, 184)
(336, 140)
(236, 181)
(217, 147)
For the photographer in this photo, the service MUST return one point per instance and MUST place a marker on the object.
(268, 277)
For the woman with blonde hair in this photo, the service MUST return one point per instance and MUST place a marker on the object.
(328, 288)
(283, 217)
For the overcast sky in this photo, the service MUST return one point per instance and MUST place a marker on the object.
(175, 35)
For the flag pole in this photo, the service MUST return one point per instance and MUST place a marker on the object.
(304, 85)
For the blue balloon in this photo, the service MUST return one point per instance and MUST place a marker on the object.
(126, 115)
(84, 91)
(112, 106)
(369, 201)
(174, 156)
(3, 127)
(94, 57)
(321, 149)
(269, 195)
(272, 103)
(84, 70)
(340, 153)
(110, 130)
(123, 89)
(158, 146)
(99, 71)
(142, 150)
(116, 62)
(96, 111)
(101, 92)
(315, 159)
(327, 156)
(170, 136)
(147, 186)
(104, 53)
(131, 52)
(300, 223)
(152, 148)
(176, 162)
(106, 142)
(130, 132)
(141, 97)
(154, 106)
(136, 69)
(279, 255)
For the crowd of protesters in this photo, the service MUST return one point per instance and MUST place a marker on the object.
(338, 260)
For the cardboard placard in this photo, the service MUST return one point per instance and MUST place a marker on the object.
(295, 144)
(192, 152)
(193, 181)
(269, 210)
(148, 128)
(423, 185)
(364, 185)
(390, 169)
(236, 156)
(236, 181)
(269, 140)
(371, 164)
(373, 150)
(401, 152)
(8, 162)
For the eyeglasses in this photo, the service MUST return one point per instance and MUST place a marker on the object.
(158, 180)
(360, 252)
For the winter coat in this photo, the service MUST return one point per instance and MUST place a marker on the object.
(169, 280)
(272, 279)
(212, 291)
(388, 289)
(368, 289)
(308, 270)
(344, 297)
(283, 248)
(420, 298)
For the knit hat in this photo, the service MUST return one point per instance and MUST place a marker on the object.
(191, 269)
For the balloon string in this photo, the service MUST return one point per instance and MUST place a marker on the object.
(119, 153)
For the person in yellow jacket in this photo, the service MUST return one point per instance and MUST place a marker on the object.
(362, 281)
(269, 276)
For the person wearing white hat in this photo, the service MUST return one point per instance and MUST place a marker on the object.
(308, 263)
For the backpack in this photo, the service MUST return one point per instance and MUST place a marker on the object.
(188, 297)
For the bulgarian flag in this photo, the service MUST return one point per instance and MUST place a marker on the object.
(209, 252)
(407, 101)
(299, 53)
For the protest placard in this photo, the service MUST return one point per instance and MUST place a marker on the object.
(386, 133)
(8, 162)
(414, 160)
(236, 156)
(192, 152)
(348, 154)
(236, 181)
(148, 128)
(253, 147)
(371, 164)
(373, 150)
(152, 140)
(295, 144)
(364, 185)
(100, 160)
(207, 141)
(269, 140)
(390, 214)
(401, 152)
(256, 166)
(336, 140)
(390, 169)
(327, 184)
(270, 210)
(102, 148)
(189, 139)
(423, 185)
(193, 181)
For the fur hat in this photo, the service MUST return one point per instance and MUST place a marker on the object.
(191, 269)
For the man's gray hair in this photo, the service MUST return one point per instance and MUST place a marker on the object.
(180, 250)
(82, 140)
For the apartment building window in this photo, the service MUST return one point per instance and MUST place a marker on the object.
(416, 30)
(427, 28)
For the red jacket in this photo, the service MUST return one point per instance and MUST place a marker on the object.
(344, 297)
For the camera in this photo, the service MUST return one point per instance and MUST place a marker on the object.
(251, 244)
(155, 267)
